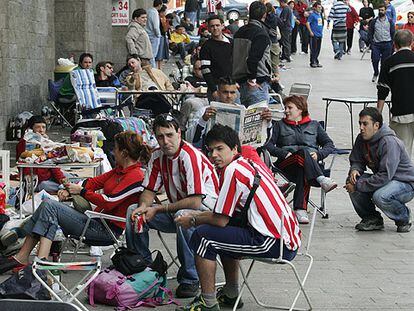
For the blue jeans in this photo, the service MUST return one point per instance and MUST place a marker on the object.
(252, 95)
(51, 186)
(187, 273)
(380, 51)
(390, 199)
(338, 47)
(53, 214)
(155, 43)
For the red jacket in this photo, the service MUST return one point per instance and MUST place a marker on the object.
(121, 188)
(301, 8)
(352, 17)
(410, 27)
(43, 174)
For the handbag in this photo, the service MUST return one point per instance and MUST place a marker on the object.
(24, 285)
(128, 261)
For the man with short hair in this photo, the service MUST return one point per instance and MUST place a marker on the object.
(104, 76)
(380, 34)
(153, 28)
(246, 221)
(337, 15)
(396, 75)
(315, 26)
(286, 28)
(190, 182)
(216, 55)
(137, 39)
(180, 42)
(391, 184)
(251, 57)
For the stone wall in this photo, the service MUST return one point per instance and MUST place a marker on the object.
(27, 56)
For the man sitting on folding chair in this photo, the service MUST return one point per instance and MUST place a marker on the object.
(190, 182)
(296, 141)
(245, 221)
(121, 187)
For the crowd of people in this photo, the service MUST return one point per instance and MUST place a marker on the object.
(222, 199)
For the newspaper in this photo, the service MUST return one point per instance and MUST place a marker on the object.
(246, 121)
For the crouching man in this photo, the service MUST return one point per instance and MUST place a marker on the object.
(392, 183)
(245, 221)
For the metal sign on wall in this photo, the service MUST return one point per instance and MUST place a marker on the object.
(120, 13)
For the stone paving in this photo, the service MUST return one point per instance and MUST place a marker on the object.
(352, 270)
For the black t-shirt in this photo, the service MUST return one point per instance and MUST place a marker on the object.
(366, 13)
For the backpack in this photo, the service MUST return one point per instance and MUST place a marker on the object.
(146, 288)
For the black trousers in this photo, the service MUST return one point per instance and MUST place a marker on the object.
(349, 39)
(294, 37)
(315, 49)
(286, 42)
(303, 170)
(304, 37)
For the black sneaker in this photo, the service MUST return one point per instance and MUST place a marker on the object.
(187, 290)
(404, 228)
(313, 65)
(370, 224)
(9, 264)
(226, 301)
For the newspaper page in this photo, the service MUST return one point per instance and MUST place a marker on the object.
(246, 121)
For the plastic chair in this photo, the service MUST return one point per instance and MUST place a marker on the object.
(69, 295)
(300, 89)
(278, 261)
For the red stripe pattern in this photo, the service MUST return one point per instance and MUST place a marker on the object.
(189, 172)
(267, 205)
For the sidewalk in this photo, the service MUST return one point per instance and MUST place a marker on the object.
(352, 270)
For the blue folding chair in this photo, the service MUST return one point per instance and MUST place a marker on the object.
(63, 109)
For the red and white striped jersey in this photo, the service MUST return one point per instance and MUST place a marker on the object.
(188, 173)
(267, 205)
(211, 6)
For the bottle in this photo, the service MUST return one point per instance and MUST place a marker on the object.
(2, 198)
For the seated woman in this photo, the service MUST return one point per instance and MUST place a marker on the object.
(120, 186)
(299, 143)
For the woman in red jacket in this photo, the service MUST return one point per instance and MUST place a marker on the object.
(410, 25)
(121, 187)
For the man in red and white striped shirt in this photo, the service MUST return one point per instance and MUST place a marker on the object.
(190, 182)
(231, 233)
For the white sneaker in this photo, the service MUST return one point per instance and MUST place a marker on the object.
(327, 184)
(302, 216)
(95, 251)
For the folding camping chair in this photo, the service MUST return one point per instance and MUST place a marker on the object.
(303, 252)
(326, 169)
(108, 97)
(103, 218)
(67, 295)
(60, 106)
(300, 89)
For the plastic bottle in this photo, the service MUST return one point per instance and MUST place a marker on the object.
(2, 199)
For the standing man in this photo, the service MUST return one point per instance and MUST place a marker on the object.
(366, 14)
(216, 55)
(137, 39)
(251, 57)
(153, 28)
(301, 7)
(380, 34)
(315, 28)
(286, 30)
(391, 14)
(238, 226)
(190, 10)
(191, 183)
(352, 18)
(396, 75)
(338, 17)
(391, 184)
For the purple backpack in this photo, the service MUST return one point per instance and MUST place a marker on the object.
(145, 288)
